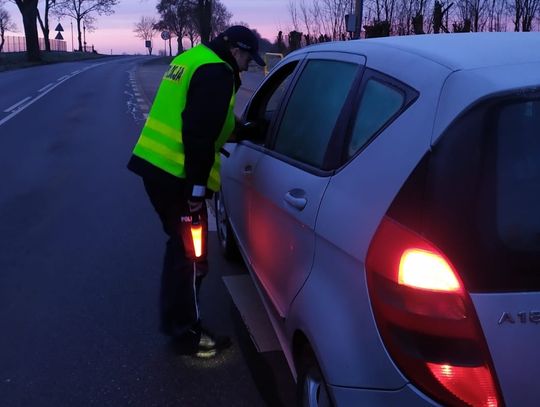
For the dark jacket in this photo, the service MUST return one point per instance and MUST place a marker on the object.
(207, 103)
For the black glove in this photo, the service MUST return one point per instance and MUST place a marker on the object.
(195, 205)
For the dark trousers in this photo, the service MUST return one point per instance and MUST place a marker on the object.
(181, 277)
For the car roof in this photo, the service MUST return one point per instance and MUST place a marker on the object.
(455, 51)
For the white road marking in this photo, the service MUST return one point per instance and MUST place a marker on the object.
(45, 87)
(16, 105)
(31, 102)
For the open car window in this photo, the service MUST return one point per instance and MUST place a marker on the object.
(265, 107)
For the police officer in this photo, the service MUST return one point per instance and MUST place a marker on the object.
(177, 155)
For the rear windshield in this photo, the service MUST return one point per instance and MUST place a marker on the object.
(483, 194)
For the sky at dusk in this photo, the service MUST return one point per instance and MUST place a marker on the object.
(114, 33)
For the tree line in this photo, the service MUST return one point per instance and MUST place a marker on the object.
(82, 11)
(312, 20)
(315, 21)
(324, 20)
(197, 21)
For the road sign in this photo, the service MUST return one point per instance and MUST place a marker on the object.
(148, 44)
(165, 35)
(59, 36)
(59, 27)
(350, 22)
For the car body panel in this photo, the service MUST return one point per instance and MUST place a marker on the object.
(309, 264)
(334, 300)
(455, 51)
(283, 238)
(464, 88)
(407, 396)
(511, 325)
(236, 175)
(375, 186)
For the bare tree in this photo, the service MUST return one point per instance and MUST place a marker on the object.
(175, 16)
(497, 15)
(145, 29)
(472, 14)
(84, 11)
(525, 11)
(5, 25)
(440, 14)
(29, 11)
(221, 18)
(44, 23)
(293, 12)
(192, 31)
(404, 16)
(305, 18)
(333, 17)
(418, 15)
(320, 18)
(203, 18)
(211, 17)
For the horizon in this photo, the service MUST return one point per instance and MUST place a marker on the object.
(114, 34)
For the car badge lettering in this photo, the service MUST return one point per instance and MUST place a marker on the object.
(520, 317)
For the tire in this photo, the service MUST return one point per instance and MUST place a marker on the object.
(312, 390)
(227, 242)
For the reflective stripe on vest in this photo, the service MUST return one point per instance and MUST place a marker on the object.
(160, 142)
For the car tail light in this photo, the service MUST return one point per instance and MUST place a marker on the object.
(427, 320)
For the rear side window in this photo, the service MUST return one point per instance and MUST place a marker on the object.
(379, 103)
(313, 109)
(483, 195)
(518, 176)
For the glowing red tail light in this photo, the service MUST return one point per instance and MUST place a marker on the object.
(473, 385)
(427, 320)
(427, 270)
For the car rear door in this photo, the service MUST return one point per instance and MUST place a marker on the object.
(291, 177)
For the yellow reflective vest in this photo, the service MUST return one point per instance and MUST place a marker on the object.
(160, 142)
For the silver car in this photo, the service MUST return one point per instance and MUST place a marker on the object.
(386, 200)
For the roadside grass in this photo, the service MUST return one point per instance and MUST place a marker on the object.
(16, 60)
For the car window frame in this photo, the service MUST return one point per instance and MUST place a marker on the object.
(270, 81)
(328, 167)
(410, 96)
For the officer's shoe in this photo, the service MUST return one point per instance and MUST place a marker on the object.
(210, 345)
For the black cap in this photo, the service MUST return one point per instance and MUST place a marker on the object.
(243, 38)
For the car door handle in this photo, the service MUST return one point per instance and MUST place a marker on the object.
(248, 169)
(297, 202)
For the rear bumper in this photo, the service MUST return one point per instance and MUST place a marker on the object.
(406, 396)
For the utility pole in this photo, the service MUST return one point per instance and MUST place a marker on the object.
(359, 5)
(72, 49)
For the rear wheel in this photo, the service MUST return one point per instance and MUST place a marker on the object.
(224, 231)
(312, 390)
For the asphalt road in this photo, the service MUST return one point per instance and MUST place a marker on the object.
(80, 259)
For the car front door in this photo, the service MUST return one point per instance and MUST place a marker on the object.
(291, 177)
(237, 169)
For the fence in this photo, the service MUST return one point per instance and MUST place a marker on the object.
(18, 44)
